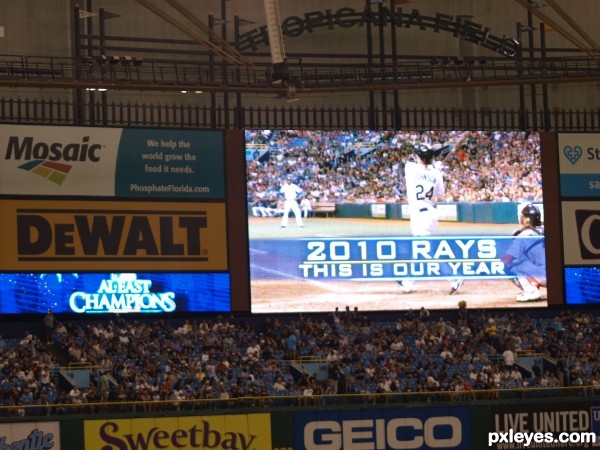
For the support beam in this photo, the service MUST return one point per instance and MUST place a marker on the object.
(213, 36)
(274, 30)
(215, 48)
(543, 17)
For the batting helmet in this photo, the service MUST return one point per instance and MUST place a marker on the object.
(532, 213)
(424, 151)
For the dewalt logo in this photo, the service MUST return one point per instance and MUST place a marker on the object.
(51, 160)
(113, 236)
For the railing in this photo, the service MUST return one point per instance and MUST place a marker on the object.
(126, 114)
(131, 73)
(287, 400)
(80, 365)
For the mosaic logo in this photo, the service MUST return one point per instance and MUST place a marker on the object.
(53, 171)
(49, 160)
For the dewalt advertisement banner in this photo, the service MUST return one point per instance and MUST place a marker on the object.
(233, 432)
(85, 161)
(109, 236)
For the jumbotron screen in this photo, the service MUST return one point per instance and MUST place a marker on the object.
(394, 220)
(114, 293)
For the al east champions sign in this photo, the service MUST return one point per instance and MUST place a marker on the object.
(112, 236)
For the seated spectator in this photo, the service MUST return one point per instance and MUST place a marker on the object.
(509, 358)
(279, 385)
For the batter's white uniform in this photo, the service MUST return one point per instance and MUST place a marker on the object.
(424, 187)
(290, 192)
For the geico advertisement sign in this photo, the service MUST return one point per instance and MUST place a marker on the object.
(112, 236)
(30, 435)
(414, 429)
(581, 232)
(233, 432)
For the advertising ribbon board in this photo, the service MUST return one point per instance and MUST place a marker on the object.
(579, 159)
(109, 236)
(84, 161)
(233, 432)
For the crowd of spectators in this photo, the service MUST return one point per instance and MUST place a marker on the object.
(168, 364)
(367, 166)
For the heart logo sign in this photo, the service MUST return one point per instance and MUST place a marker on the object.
(573, 153)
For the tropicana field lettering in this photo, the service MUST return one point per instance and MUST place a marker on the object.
(203, 437)
(28, 150)
(64, 234)
(348, 17)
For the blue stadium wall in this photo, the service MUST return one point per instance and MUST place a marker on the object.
(459, 426)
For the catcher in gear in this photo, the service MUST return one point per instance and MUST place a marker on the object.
(526, 258)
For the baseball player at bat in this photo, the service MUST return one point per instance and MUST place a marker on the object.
(424, 188)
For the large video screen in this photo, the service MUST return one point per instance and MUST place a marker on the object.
(394, 220)
(581, 285)
(114, 293)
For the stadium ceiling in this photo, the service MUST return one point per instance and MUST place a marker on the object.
(227, 70)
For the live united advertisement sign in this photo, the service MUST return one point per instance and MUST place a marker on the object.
(552, 426)
(107, 236)
(84, 161)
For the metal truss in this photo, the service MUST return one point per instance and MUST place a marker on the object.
(292, 78)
